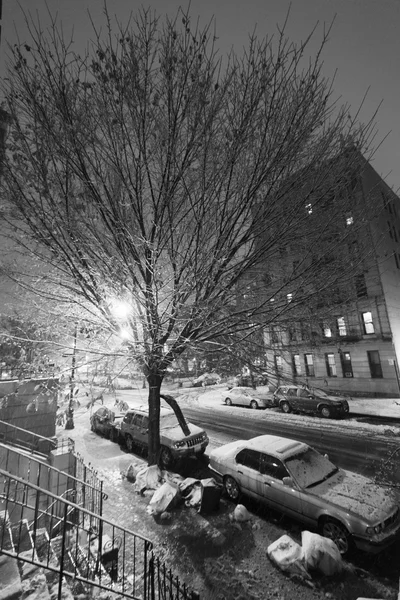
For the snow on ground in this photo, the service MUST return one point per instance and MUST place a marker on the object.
(215, 397)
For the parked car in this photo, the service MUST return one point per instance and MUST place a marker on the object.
(103, 421)
(174, 443)
(310, 400)
(206, 379)
(295, 479)
(244, 397)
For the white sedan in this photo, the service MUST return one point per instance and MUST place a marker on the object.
(295, 479)
(244, 396)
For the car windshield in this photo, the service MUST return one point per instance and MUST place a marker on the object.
(310, 468)
(319, 392)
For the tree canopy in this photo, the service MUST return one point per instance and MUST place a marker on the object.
(152, 171)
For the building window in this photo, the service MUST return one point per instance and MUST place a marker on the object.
(274, 334)
(305, 331)
(375, 366)
(361, 286)
(309, 364)
(278, 362)
(330, 365)
(341, 326)
(292, 333)
(346, 364)
(309, 208)
(326, 329)
(289, 297)
(296, 364)
(349, 220)
(367, 323)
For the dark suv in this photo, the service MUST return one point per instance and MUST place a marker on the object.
(301, 399)
(174, 444)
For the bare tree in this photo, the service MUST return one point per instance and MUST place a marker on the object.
(153, 172)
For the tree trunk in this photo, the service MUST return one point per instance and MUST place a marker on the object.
(177, 410)
(154, 381)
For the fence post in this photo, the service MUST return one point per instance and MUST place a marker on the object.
(65, 518)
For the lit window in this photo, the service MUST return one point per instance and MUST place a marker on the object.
(309, 208)
(278, 362)
(327, 331)
(346, 364)
(349, 220)
(296, 364)
(367, 323)
(289, 297)
(272, 299)
(330, 365)
(309, 364)
(341, 325)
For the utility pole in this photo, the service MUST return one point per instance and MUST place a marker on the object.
(70, 414)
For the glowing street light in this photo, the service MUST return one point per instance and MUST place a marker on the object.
(120, 309)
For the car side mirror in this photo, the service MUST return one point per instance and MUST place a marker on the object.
(288, 481)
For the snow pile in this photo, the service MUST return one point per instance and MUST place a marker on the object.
(315, 554)
(320, 554)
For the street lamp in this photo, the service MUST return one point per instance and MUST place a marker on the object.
(69, 424)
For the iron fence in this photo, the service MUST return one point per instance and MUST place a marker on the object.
(60, 482)
(11, 434)
(81, 549)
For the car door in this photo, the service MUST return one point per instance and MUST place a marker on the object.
(307, 401)
(293, 398)
(282, 497)
(248, 471)
(243, 398)
(140, 429)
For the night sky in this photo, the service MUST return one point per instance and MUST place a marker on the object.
(364, 45)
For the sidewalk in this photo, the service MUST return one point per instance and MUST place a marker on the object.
(381, 407)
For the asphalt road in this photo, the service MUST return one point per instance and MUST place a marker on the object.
(355, 449)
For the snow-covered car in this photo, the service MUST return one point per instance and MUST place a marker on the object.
(245, 397)
(174, 443)
(310, 400)
(206, 379)
(293, 478)
(103, 421)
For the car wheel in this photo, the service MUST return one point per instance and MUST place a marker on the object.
(285, 406)
(129, 443)
(231, 487)
(325, 412)
(254, 404)
(335, 531)
(166, 458)
(228, 401)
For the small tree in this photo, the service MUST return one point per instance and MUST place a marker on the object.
(152, 171)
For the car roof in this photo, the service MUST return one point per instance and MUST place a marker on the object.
(144, 410)
(281, 447)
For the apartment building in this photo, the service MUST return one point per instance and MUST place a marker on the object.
(355, 347)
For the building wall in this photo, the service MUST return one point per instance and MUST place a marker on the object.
(30, 405)
(379, 207)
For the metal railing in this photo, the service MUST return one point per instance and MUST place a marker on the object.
(87, 552)
(11, 434)
(87, 490)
